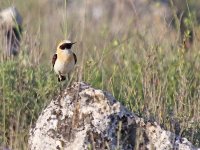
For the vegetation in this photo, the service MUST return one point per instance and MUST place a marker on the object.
(147, 68)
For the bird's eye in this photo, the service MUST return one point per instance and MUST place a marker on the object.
(66, 46)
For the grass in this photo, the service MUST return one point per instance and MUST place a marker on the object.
(146, 68)
(25, 90)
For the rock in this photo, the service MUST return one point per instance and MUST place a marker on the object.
(11, 28)
(86, 118)
(10, 17)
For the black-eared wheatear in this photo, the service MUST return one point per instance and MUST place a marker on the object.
(64, 59)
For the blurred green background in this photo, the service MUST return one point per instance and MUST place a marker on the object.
(131, 48)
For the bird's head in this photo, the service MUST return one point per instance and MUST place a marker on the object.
(66, 44)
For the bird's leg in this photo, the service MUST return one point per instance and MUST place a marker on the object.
(59, 80)
(59, 76)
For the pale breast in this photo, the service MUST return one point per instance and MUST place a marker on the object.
(64, 63)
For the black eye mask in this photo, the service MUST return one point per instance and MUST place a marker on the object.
(66, 46)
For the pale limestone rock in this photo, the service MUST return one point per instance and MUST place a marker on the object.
(83, 117)
(10, 17)
(10, 30)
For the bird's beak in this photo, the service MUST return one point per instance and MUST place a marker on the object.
(73, 43)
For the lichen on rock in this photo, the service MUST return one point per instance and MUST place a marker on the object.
(86, 118)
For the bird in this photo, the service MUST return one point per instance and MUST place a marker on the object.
(64, 60)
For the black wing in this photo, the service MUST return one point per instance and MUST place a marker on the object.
(54, 59)
(75, 58)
